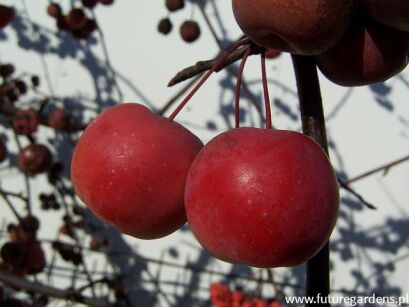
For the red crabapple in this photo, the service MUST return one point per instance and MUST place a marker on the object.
(296, 26)
(264, 198)
(129, 167)
(34, 159)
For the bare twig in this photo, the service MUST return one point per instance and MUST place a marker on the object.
(203, 66)
(385, 167)
(35, 287)
(345, 186)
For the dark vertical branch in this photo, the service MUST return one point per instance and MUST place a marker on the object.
(313, 124)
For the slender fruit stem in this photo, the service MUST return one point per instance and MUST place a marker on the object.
(238, 87)
(220, 61)
(318, 272)
(265, 91)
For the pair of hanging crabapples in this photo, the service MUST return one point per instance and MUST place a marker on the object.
(261, 197)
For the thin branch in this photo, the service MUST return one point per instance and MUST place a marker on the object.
(107, 59)
(35, 287)
(179, 94)
(345, 186)
(203, 66)
(385, 167)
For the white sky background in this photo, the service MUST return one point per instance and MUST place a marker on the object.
(366, 134)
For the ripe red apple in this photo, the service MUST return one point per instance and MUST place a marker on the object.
(6, 15)
(296, 26)
(174, 5)
(264, 198)
(393, 13)
(368, 53)
(130, 167)
(190, 31)
(34, 159)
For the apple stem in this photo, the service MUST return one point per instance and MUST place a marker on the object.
(219, 62)
(313, 123)
(238, 87)
(265, 91)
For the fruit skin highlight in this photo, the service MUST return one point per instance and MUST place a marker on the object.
(264, 198)
(129, 167)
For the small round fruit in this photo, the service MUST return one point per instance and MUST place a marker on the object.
(76, 19)
(89, 3)
(54, 10)
(6, 15)
(296, 26)
(190, 31)
(3, 151)
(392, 13)
(272, 54)
(106, 2)
(129, 167)
(370, 53)
(35, 261)
(25, 121)
(165, 26)
(58, 119)
(264, 198)
(174, 5)
(34, 159)
(6, 70)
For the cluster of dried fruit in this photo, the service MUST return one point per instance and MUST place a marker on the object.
(34, 158)
(189, 30)
(355, 42)
(23, 254)
(77, 20)
(222, 296)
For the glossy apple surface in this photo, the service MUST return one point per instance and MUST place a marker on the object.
(368, 53)
(262, 198)
(130, 166)
(296, 26)
(393, 13)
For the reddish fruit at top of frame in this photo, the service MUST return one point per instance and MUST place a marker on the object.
(34, 159)
(272, 54)
(392, 13)
(89, 3)
(190, 31)
(264, 198)
(129, 167)
(296, 26)
(370, 53)
(174, 5)
(6, 15)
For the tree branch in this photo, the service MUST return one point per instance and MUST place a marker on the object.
(35, 287)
